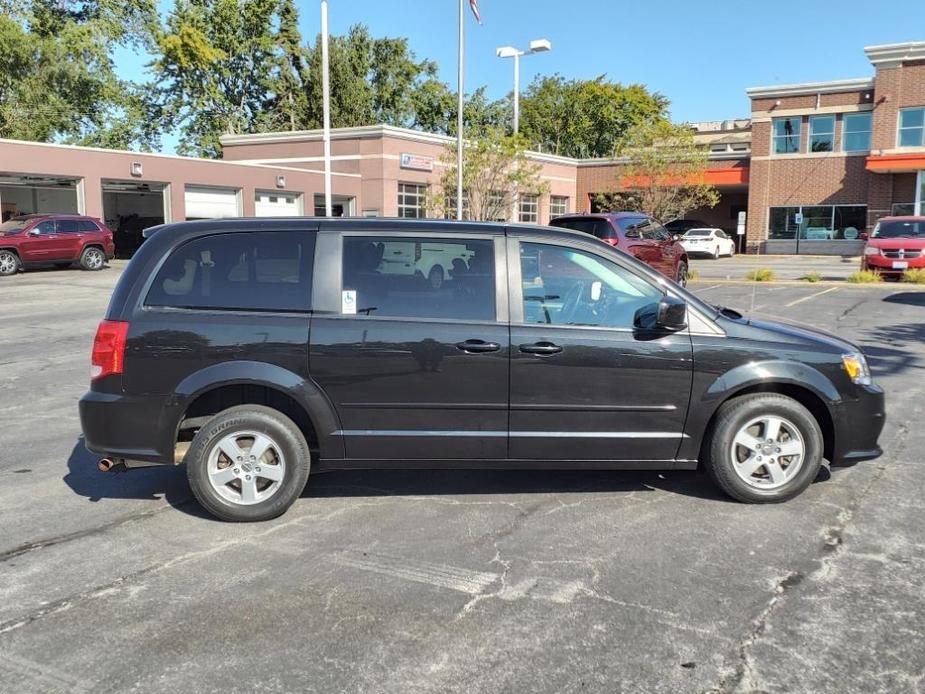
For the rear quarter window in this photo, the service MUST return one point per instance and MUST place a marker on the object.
(253, 271)
(600, 228)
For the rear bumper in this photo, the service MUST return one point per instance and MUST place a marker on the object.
(858, 424)
(116, 425)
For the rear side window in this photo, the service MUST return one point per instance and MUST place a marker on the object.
(400, 277)
(600, 228)
(86, 225)
(254, 271)
(67, 226)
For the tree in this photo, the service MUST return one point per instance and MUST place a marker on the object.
(58, 80)
(496, 166)
(585, 118)
(663, 174)
(435, 108)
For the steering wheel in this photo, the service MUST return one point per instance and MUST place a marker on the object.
(570, 304)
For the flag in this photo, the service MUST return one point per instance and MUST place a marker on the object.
(474, 4)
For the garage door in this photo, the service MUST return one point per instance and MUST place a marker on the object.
(211, 203)
(277, 204)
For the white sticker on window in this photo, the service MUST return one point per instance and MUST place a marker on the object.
(348, 301)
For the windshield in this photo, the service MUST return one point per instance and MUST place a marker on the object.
(13, 226)
(900, 229)
(699, 232)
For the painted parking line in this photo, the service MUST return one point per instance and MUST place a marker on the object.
(811, 296)
(709, 288)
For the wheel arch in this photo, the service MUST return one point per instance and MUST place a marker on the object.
(220, 386)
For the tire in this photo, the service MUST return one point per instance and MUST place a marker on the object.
(716, 253)
(746, 419)
(9, 263)
(92, 259)
(435, 277)
(732, 251)
(681, 279)
(249, 494)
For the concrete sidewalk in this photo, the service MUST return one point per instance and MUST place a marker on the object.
(787, 267)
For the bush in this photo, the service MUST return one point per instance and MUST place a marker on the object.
(693, 275)
(813, 277)
(762, 274)
(865, 277)
(914, 276)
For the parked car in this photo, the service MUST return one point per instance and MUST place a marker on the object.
(636, 234)
(256, 351)
(54, 239)
(680, 226)
(707, 241)
(895, 245)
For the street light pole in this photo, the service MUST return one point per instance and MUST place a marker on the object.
(536, 46)
(517, 92)
(326, 108)
(459, 114)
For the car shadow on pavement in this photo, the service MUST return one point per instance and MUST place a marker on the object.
(167, 482)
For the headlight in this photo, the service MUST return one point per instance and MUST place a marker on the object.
(871, 250)
(856, 366)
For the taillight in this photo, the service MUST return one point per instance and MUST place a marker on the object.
(108, 349)
(613, 241)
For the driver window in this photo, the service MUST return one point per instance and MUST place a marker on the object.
(46, 227)
(563, 286)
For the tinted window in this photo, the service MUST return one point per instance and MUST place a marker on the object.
(562, 286)
(67, 226)
(699, 232)
(421, 277)
(86, 225)
(46, 227)
(899, 229)
(633, 226)
(257, 271)
(600, 228)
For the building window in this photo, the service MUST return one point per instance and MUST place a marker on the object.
(450, 211)
(902, 209)
(856, 129)
(786, 132)
(817, 222)
(411, 200)
(528, 209)
(718, 149)
(558, 206)
(739, 146)
(822, 134)
(912, 127)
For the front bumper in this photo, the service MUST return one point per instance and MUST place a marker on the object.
(117, 425)
(884, 265)
(858, 424)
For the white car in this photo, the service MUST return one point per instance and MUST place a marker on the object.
(714, 242)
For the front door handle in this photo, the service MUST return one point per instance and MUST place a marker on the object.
(477, 346)
(541, 348)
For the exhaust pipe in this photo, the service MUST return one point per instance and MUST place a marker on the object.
(106, 464)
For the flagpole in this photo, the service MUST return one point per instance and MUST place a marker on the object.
(326, 107)
(459, 117)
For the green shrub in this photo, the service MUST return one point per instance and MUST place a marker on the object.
(762, 274)
(865, 277)
(813, 277)
(914, 276)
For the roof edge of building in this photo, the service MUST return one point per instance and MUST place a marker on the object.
(803, 88)
(894, 54)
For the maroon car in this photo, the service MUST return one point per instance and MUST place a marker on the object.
(636, 234)
(54, 239)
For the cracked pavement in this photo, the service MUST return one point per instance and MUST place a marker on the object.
(455, 581)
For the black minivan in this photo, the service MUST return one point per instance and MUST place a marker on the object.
(255, 350)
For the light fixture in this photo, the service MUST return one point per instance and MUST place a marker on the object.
(137, 169)
(280, 181)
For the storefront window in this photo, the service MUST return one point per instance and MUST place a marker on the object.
(786, 135)
(817, 222)
(912, 127)
(822, 134)
(857, 127)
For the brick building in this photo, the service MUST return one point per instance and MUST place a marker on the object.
(814, 166)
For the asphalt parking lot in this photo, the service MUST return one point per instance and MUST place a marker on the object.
(456, 581)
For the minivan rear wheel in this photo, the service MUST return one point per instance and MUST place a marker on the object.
(248, 463)
(764, 448)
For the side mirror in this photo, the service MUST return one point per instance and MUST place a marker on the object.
(34, 232)
(632, 234)
(669, 314)
(863, 236)
(676, 237)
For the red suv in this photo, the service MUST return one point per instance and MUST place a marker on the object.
(895, 245)
(54, 239)
(636, 234)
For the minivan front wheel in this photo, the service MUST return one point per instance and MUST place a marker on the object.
(248, 463)
(764, 448)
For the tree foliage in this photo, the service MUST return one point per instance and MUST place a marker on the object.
(663, 174)
(496, 167)
(585, 118)
(58, 78)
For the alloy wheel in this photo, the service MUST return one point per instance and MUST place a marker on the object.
(8, 263)
(767, 452)
(246, 467)
(94, 259)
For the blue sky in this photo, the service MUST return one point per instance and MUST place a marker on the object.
(700, 55)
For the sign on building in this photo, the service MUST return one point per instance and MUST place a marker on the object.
(417, 162)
